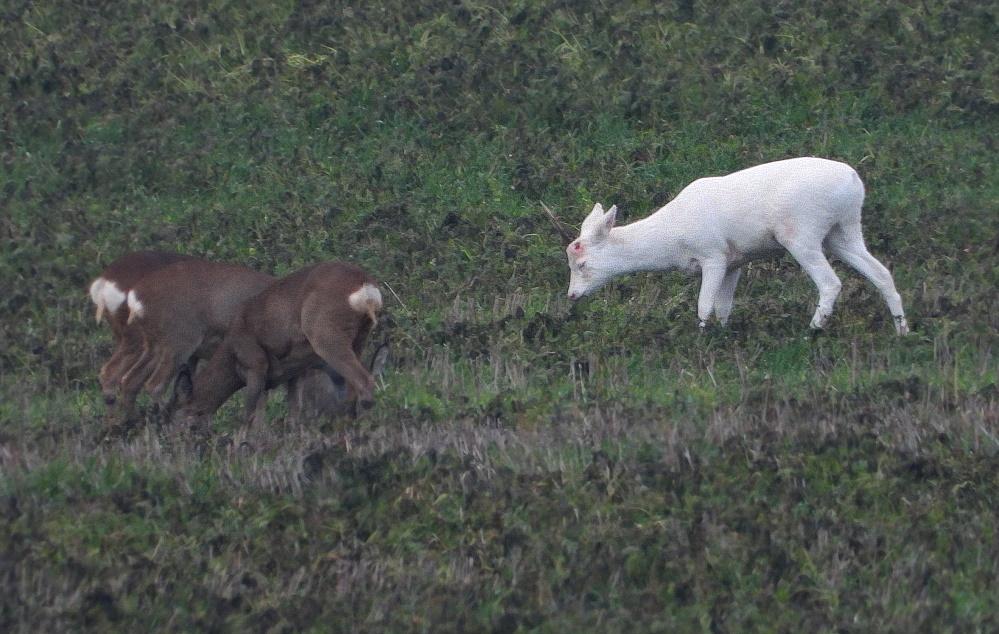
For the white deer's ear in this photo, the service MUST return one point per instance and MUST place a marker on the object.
(598, 223)
(594, 218)
(609, 217)
(602, 225)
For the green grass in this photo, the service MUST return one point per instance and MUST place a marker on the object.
(530, 465)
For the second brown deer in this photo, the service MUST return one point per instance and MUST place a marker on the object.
(320, 315)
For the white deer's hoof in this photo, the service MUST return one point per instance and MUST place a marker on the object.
(901, 326)
(819, 320)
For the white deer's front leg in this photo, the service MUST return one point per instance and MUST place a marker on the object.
(712, 276)
(829, 288)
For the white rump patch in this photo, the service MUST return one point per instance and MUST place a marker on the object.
(135, 307)
(106, 295)
(95, 296)
(366, 299)
(95, 290)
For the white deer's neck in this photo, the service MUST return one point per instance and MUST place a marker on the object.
(649, 244)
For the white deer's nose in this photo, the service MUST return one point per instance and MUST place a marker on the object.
(573, 296)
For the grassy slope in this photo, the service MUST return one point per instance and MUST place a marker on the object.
(529, 464)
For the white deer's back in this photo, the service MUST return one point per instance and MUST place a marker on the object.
(810, 191)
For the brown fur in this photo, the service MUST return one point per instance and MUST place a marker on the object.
(188, 307)
(294, 326)
(124, 273)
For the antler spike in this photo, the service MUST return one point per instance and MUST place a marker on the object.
(559, 227)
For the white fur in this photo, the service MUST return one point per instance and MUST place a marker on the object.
(717, 224)
(96, 298)
(366, 299)
(135, 307)
(95, 290)
(106, 296)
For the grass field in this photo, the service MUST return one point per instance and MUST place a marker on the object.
(530, 465)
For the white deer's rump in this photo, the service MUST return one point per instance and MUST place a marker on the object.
(715, 224)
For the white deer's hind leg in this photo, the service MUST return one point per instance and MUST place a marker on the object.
(815, 264)
(725, 296)
(848, 245)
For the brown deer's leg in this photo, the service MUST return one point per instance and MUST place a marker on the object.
(337, 350)
(127, 353)
(252, 365)
(131, 384)
(168, 367)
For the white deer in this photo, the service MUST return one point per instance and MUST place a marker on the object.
(717, 224)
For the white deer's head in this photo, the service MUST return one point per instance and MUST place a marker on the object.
(589, 263)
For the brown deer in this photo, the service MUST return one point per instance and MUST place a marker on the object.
(319, 315)
(110, 290)
(176, 312)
